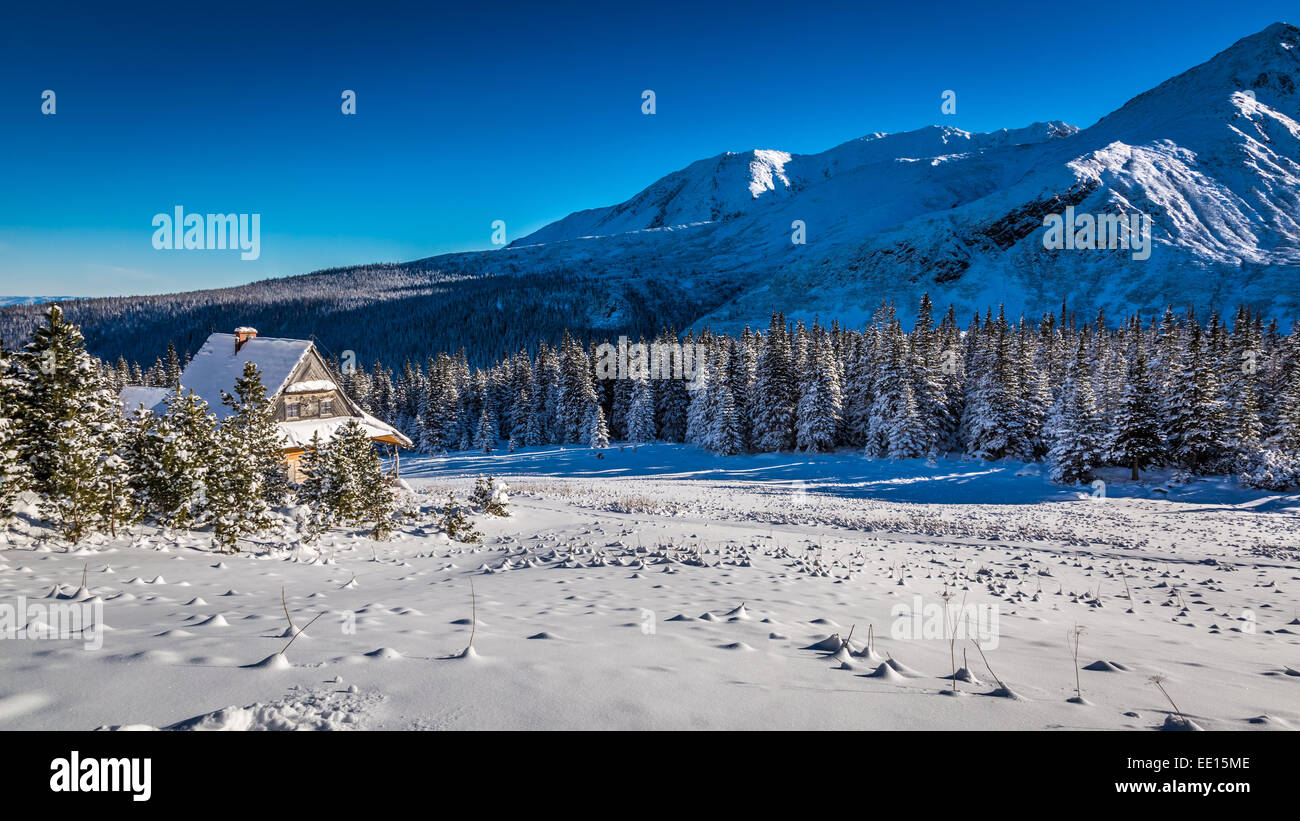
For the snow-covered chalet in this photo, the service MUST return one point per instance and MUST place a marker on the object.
(299, 384)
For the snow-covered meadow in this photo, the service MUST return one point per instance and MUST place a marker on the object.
(665, 588)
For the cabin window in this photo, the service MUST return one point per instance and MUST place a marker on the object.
(327, 407)
(291, 411)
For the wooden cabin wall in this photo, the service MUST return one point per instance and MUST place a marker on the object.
(312, 369)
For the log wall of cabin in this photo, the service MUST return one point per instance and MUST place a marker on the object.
(311, 370)
(293, 463)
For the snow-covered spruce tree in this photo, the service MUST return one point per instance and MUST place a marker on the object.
(407, 389)
(464, 407)
(1275, 470)
(473, 397)
(520, 414)
(1277, 467)
(455, 521)
(378, 502)
(1106, 369)
(821, 403)
(1288, 425)
(249, 477)
(1075, 426)
(1244, 427)
(774, 397)
(347, 451)
(112, 375)
(992, 421)
(371, 499)
(116, 497)
(381, 390)
(518, 395)
(619, 405)
(743, 364)
(312, 467)
(577, 394)
(884, 377)
(1035, 398)
(1276, 366)
(1137, 438)
(490, 496)
(597, 430)
(521, 411)
(264, 434)
(858, 370)
(345, 483)
(187, 435)
(70, 426)
(907, 436)
(1166, 365)
(142, 449)
(952, 368)
(800, 348)
(172, 365)
(894, 427)
(974, 362)
(428, 427)
(313, 490)
(1239, 393)
(671, 396)
(537, 427)
(440, 430)
(721, 424)
(485, 435)
(697, 416)
(927, 363)
(14, 477)
(360, 387)
(535, 431)
(641, 412)
(550, 376)
(1197, 419)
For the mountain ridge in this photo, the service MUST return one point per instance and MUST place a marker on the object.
(1212, 155)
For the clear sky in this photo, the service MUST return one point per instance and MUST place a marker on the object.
(470, 113)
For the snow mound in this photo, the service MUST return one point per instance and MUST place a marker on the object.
(275, 661)
(317, 710)
(1100, 666)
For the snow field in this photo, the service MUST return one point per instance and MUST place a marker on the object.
(667, 589)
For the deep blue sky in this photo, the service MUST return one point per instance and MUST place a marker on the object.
(470, 113)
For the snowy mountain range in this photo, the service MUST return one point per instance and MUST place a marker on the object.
(1212, 156)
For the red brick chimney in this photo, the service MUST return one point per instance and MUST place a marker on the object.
(242, 334)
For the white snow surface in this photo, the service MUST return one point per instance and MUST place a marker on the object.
(311, 386)
(665, 588)
(135, 397)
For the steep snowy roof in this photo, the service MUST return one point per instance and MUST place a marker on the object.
(311, 386)
(136, 396)
(299, 433)
(216, 366)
